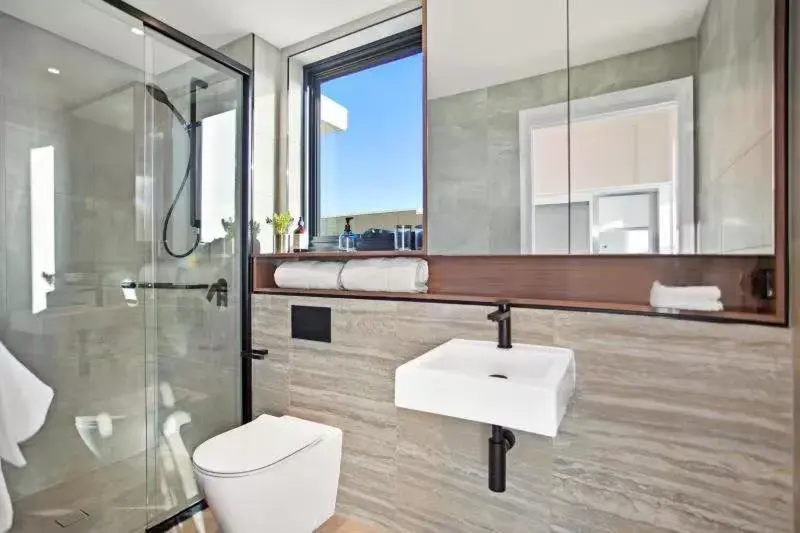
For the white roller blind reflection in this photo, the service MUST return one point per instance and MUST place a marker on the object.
(43, 239)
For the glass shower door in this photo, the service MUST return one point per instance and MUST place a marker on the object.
(120, 170)
(190, 286)
(70, 105)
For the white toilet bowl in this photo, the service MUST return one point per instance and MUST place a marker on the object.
(273, 475)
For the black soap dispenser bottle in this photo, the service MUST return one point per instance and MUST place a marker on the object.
(347, 240)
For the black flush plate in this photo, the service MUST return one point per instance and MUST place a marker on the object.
(311, 323)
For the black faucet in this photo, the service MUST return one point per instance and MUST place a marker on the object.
(503, 318)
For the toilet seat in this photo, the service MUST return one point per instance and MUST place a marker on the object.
(254, 447)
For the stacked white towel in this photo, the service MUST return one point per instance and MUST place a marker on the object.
(697, 298)
(402, 274)
(24, 402)
(309, 275)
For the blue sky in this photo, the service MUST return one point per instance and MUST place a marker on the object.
(376, 165)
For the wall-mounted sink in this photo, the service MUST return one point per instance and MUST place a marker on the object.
(525, 388)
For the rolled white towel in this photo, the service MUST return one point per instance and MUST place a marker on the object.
(309, 275)
(697, 292)
(401, 274)
(697, 298)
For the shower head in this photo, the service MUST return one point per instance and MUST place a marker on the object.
(159, 95)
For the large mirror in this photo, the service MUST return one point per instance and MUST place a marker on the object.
(601, 126)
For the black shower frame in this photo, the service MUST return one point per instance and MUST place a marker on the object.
(215, 57)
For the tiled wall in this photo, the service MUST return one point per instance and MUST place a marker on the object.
(734, 99)
(473, 183)
(675, 426)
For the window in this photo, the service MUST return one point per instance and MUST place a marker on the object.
(218, 161)
(365, 111)
(43, 226)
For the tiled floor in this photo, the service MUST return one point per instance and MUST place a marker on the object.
(205, 523)
(110, 498)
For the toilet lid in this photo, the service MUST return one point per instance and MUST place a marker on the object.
(263, 442)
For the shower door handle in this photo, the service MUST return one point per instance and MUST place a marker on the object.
(258, 355)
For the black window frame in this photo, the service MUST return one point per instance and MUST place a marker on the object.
(398, 46)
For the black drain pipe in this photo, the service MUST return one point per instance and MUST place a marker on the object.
(500, 443)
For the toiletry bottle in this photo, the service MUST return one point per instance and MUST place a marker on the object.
(347, 241)
(300, 237)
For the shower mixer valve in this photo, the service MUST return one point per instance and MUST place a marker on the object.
(219, 289)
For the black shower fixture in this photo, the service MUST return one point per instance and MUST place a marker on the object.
(193, 172)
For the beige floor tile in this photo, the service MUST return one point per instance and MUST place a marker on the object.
(337, 524)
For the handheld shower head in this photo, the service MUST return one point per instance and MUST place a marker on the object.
(159, 95)
(193, 172)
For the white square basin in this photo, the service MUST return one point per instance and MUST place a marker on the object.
(526, 387)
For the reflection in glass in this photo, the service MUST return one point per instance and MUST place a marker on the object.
(673, 100)
(43, 239)
(90, 165)
(703, 154)
(488, 65)
(218, 156)
(630, 162)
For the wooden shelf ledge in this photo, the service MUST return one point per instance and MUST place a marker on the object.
(615, 284)
(730, 315)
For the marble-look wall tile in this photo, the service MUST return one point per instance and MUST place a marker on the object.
(692, 437)
(675, 426)
(442, 486)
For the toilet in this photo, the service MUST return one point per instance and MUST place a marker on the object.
(274, 474)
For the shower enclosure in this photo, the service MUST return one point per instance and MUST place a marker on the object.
(123, 253)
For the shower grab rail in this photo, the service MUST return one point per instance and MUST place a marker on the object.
(217, 289)
(163, 285)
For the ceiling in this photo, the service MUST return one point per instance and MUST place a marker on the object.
(26, 54)
(97, 26)
(279, 22)
(470, 47)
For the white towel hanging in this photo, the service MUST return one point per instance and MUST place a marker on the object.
(24, 402)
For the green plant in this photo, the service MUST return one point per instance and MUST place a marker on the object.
(229, 226)
(280, 222)
(255, 228)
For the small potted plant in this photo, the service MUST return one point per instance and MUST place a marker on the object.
(281, 222)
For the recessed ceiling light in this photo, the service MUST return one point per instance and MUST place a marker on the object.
(137, 31)
(53, 70)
